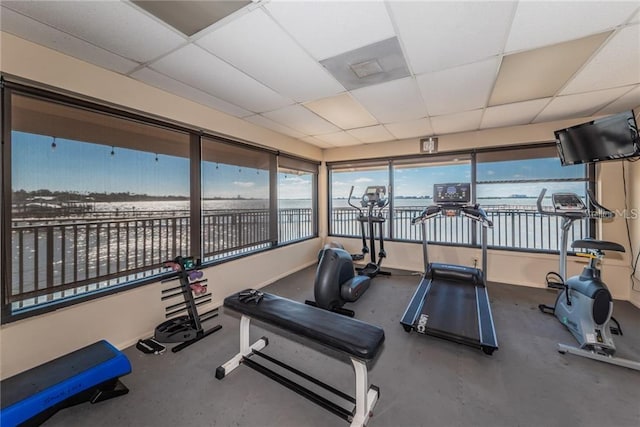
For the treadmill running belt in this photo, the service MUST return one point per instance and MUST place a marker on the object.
(452, 309)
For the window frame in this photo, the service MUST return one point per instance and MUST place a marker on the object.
(292, 163)
(10, 86)
(589, 180)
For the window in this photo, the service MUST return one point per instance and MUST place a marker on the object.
(296, 199)
(505, 182)
(236, 200)
(96, 201)
(508, 185)
(413, 191)
(343, 220)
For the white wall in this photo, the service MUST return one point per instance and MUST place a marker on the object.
(503, 266)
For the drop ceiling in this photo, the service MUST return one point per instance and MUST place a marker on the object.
(465, 65)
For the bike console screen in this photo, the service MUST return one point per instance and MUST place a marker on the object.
(452, 194)
(567, 202)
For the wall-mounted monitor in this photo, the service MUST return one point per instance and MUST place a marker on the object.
(610, 138)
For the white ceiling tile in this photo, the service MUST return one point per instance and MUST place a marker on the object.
(440, 35)
(270, 124)
(541, 23)
(623, 51)
(628, 101)
(200, 69)
(34, 31)
(458, 89)
(326, 29)
(299, 118)
(115, 26)
(394, 101)
(339, 139)
(454, 123)
(636, 18)
(343, 111)
(315, 141)
(579, 105)
(372, 134)
(410, 129)
(255, 44)
(517, 113)
(168, 84)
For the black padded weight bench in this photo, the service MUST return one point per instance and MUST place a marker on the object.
(358, 340)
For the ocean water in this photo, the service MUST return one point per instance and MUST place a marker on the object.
(231, 204)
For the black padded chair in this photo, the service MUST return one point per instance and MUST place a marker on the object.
(336, 282)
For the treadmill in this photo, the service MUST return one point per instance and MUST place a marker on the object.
(451, 301)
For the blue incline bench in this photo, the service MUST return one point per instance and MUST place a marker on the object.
(359, 341)
(89, 374)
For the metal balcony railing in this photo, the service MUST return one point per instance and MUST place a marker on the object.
(54, 258)
(58, 258)
(523, 229)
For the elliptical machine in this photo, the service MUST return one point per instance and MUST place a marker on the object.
(374, 200)
(584, 305)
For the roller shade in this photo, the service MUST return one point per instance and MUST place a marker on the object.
(524, 153)
(296, 164)
(230, 154)
(40, 117)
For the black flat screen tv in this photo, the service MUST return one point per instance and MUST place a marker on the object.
(610, 138)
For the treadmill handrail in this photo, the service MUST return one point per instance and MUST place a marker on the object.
(428, 213)
(476, 213)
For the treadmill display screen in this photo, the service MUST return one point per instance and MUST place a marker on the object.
(456, 194)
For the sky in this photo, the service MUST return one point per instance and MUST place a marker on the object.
(84, 167)
(419, 181)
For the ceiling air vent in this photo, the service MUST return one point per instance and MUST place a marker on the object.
(376, 63)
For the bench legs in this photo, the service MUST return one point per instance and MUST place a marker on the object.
(366, 397)
(245, 348)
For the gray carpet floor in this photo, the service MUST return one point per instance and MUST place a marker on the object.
(424, 381)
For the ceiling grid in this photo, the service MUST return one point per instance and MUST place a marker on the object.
(468, 65)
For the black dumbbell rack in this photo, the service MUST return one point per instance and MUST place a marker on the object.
(185, 328)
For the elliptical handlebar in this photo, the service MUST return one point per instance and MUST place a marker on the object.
(351, 204)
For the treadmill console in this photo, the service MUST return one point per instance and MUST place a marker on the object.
(567, 202)
(452, 194)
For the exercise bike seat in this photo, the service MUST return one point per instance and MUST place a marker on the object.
(600, 245)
